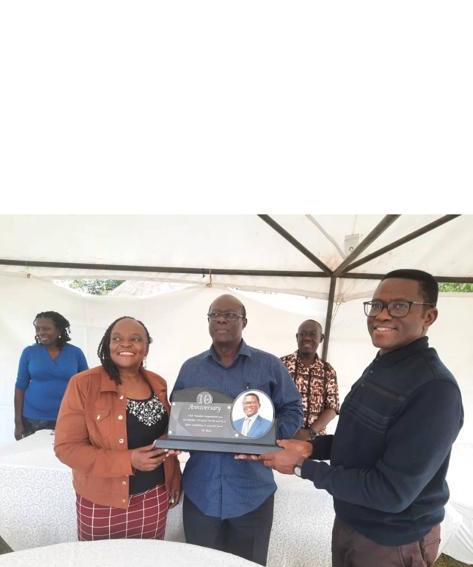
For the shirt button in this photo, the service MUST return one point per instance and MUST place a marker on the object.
(121, 440)
(121, 397)
(124, 482)
(123, 500)
(120, 417)
(98, 417)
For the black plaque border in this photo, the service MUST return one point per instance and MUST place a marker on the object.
(214, 446)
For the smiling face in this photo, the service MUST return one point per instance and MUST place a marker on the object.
(251, 405)
(309, 336)
(223, 330)
(390, 333)
(128, 344)
(46, 331)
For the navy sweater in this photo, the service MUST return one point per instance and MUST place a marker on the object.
(390, 452)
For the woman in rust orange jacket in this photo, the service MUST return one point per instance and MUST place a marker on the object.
(109, 418)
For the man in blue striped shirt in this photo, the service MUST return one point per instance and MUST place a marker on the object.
(228, 503)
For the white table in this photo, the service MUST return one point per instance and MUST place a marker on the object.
(122, 553)
(37, 504)
(37, 499)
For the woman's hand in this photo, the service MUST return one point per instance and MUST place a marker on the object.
(148, 458)
(174, 495)
(174, 487)
(19, 431)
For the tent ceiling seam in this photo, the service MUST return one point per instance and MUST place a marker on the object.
(381, 227)
(327, 235)
(285, 234)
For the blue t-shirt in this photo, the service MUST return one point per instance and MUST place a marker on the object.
(217, 484)
(44, 379)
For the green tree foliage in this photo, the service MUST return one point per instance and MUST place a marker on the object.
(452, 286)
(95, 287)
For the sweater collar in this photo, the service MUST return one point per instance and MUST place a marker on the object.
(394, 356)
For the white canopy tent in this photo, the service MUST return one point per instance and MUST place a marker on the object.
(329, 257)
(292, 253)
(313, 257)
(336, 260)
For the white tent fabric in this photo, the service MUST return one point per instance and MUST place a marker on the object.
(231, 242)
(178, 324)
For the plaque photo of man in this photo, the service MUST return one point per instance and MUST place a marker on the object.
(252, 414)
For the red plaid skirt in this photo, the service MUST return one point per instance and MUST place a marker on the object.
(144, 519)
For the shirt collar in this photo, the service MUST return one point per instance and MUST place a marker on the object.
(106, 383)
(252, 418)
(316, 359)
(244, 350)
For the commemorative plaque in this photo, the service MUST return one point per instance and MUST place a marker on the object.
(205, 420)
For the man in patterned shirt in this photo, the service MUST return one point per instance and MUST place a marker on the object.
(315, 379)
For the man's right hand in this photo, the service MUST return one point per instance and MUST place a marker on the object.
(294, 453)
(19, 431)
(148, 458)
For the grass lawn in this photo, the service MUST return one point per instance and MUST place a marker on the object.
(446, 561)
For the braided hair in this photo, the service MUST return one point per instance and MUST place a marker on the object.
(61, 324)
(103, 351)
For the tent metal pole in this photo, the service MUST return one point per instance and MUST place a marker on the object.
(328, 318)
(440, 279)
(205, 271)
(307, 253)
(162, 269)
(397, 243)
(383, 225)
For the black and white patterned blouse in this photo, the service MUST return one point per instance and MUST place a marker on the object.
(149, 412)
(146, 420)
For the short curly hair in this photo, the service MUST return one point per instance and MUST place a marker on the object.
(427, 283)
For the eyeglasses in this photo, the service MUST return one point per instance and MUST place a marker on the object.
(227, 315)
(395, 308)
(310, 334)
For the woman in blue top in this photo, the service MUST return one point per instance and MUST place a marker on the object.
(43, 374)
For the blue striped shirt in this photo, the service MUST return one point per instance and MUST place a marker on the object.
(217, 484)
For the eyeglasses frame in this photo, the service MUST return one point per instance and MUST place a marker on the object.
(212, 315)
(386, 306)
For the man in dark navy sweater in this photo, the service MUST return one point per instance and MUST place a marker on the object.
(390, 452)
